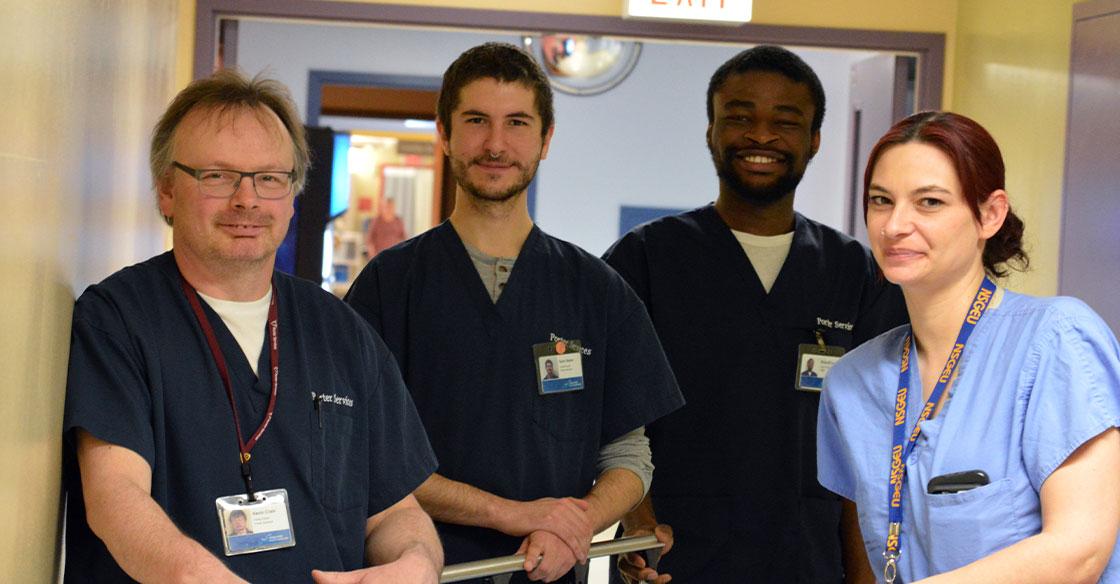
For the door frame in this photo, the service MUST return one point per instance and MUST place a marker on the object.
(211, 14)
(318, 79)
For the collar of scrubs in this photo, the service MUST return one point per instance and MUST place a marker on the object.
(246, 322)
(461, 259)
(901, 445)
(790, 295)
(766, 253)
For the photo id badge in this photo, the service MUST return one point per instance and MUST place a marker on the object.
(813, 363)
(559, 366)
(255, 526)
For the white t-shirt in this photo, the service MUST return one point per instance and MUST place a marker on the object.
(766, 252)
(246, 321)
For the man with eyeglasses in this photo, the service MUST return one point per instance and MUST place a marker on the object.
(204, 386)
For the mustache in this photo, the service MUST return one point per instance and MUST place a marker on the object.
(484, 159)
(247, 217)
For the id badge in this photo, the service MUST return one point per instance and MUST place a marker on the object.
(262, 524)
(559, 366)
(813, 363)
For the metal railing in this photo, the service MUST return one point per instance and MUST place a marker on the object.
(506, 565)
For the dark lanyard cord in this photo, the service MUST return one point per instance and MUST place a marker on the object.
(244, 447)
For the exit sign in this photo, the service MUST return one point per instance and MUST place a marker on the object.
(709, 11)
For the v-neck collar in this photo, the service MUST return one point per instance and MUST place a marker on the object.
(241, 372)
(732, 251)
(917, 384)
(461, 260)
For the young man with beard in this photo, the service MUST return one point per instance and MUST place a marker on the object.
(475, 308)
(739, 291)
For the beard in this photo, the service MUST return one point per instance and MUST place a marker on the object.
(763, 195)
(459, 170)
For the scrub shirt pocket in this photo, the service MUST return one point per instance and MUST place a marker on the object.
(563, 415)
(339, 474)
(967, 526)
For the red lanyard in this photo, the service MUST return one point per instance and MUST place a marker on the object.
(216, 351)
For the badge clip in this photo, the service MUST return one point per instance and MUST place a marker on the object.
(890, 570)
(813, 363)
(559, 366)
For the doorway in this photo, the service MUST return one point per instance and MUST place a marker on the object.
(640, 144)
(592, 188)
(398, 183)
(663, 154)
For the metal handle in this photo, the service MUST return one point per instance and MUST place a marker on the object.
(504, 564)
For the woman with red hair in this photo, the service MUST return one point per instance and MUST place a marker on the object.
(979, 442)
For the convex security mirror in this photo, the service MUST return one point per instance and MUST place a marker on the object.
(583, 64)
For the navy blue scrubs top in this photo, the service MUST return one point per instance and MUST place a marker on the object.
(735, 469)
(141, 376)
(469, 364)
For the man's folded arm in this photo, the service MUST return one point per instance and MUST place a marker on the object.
(116, 487)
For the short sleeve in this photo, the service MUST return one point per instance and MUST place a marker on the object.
(627, 257)
(640, 385)
(882, 306)
(364, 294)
(834, 465)
(400, 456)
(107, 389)
(1073, 377)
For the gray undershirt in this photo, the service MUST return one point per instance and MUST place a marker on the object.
(494, 270)
(629, 451)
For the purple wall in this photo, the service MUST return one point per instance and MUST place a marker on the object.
(1090, 248)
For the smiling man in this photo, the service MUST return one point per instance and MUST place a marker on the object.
(195, 397)
(534, 458)
(740, 292)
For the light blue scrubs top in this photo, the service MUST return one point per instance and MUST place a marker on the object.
(1038, 378)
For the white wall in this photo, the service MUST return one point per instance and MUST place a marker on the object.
(81, 84)
(288, 51)
(640, 144)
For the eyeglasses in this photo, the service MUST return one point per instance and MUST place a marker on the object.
(220, 183)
